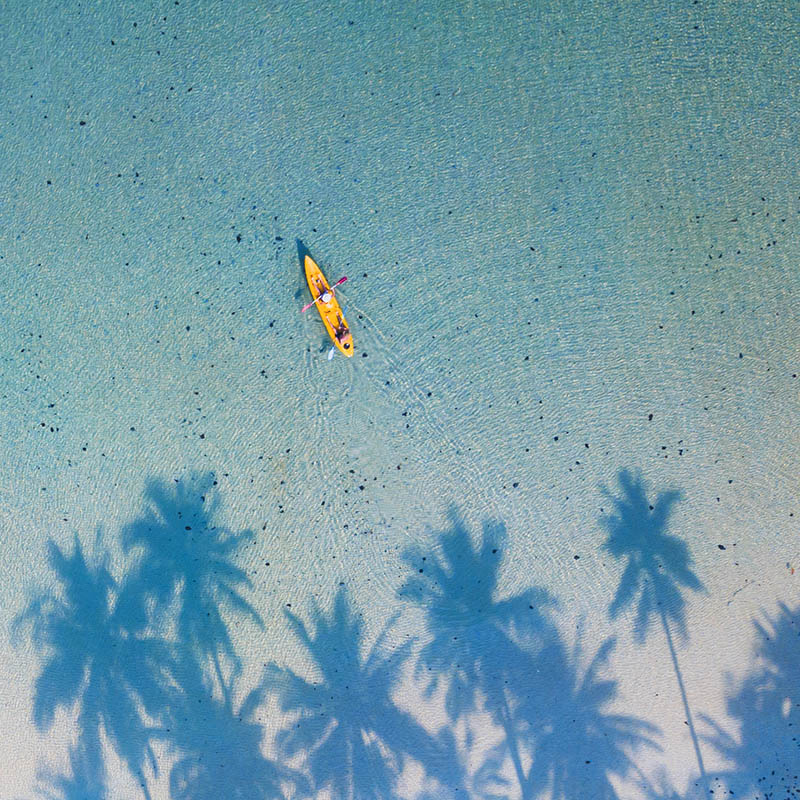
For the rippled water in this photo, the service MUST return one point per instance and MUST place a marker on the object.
(571, 239)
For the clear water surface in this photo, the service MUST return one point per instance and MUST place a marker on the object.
(538, 538)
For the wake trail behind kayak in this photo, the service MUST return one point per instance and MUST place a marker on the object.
(474, 480)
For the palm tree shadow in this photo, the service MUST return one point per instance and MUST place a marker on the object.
(504, 656)
(471, 631)
(659, 565)
(353, 738)
(479, 644)
(86, 779)
(217, 742)
(187, 572)
(579, 744)
(658, 570)
(112, 677)
(661, 788)
(149, 657)
(765, 749)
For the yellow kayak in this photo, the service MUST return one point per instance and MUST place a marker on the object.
(329, 309)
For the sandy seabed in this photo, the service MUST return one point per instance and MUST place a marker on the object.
(537, 539)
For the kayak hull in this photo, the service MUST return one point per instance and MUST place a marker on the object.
(331, 312)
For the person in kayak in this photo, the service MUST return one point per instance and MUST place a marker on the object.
(325, 294)
(341, 331)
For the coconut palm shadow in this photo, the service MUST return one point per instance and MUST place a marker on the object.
(187, 573)
(579, 744)
(505, 656)
(218, 743)
(353, 738)
(472, 651)
(110, 674)
(658, 570)
(85, 780)
(661, 788)
(149, 658)
(472, 631)
(765, 749)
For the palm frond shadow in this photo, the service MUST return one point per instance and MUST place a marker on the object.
(762, 744)
(352, 736)
(661, 788)
(188, 558)
(579, 743)
(149, 658)
(505, 656)
(85, 780)
(218, 743)
(471, 630)
(659, 566)
(113, 679)
(188, 567)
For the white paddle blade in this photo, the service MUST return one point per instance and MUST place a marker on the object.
(331, 352)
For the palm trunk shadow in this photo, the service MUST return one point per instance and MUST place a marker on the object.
(512, 743)
(684, 698)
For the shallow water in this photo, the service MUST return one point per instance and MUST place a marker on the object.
(571, 239)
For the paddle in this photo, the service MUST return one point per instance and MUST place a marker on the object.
(313, 302)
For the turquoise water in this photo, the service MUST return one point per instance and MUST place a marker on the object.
(571, 239)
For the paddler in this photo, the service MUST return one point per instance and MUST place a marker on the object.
(341, 331)
(325, 295)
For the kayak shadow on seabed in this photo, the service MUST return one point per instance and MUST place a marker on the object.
(302, 252)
